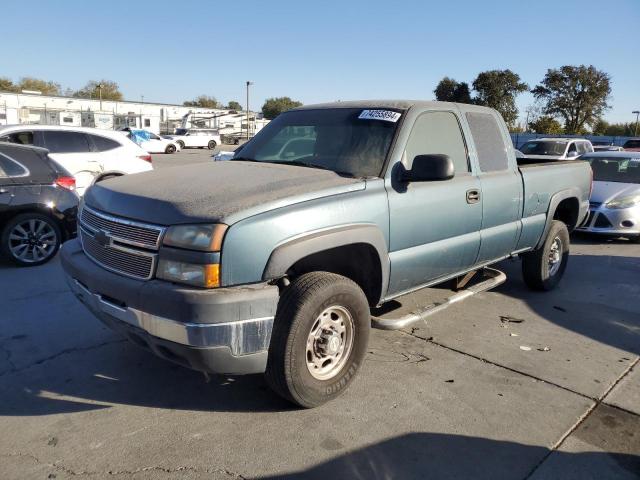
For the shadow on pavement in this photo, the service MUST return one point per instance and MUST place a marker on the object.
(435, 456)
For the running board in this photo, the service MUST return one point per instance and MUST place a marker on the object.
(495, 278)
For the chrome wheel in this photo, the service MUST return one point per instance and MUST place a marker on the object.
(329, 342)
(555, 256)
(32, 241)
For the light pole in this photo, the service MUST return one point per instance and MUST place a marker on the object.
(635, 130)
(248, 84)
(100, 93)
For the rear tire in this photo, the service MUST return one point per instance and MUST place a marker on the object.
(181, 143)
(30, 239)
(543, 268)
(170, 149)
(319, 339)
(212, 144)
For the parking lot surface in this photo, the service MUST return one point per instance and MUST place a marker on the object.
(511, 384)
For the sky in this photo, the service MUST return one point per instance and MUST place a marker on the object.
(318, 51)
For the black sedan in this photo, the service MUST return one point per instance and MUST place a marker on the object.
(38, 205)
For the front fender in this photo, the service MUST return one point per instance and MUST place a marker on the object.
(289, 252)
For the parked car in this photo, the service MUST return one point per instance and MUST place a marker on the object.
(615, 200)
(151, 142)
(556, 148)
(196, 138)
(38, 205)
(222, 156)
(91, 155)
(632, 145)
(607, 148)
(271, 263)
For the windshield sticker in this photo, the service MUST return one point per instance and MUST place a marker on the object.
(385, 115)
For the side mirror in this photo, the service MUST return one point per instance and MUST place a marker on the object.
(429, 168)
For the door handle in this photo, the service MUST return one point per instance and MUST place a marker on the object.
(473, 196)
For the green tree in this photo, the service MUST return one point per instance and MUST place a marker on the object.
(449, 90)
(275, 106)
(498, 89)
(600, 127)
(110, 90)
(6, 85)
(204, 101)
(233, 105)
(46, 88)
(579, 95)
(546, 124)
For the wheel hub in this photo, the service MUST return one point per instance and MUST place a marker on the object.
(555, 256)
(329, 342)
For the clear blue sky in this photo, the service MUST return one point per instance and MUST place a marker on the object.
(317, 51)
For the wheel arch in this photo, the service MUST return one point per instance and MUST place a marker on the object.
(358, 252)
(563, 206)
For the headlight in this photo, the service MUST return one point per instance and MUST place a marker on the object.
(207, 238)
(624, 202)
(207, 276)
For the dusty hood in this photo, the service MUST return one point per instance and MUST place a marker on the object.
(543, 157)
(604, 192)
(213, 192)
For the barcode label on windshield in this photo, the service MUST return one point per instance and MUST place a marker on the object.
(385, 115)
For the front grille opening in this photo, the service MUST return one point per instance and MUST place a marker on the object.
(602, 222)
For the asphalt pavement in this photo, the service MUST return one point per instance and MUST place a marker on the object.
(510, 384)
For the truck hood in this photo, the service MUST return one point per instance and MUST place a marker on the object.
(604, 192)
(214, 192)
(544, 157)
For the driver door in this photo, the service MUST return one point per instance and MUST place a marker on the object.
(434, 225)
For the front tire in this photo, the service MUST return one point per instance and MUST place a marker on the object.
(543, 268)
(170, 149)
(319, 339)
(30, 239)
(212, 144)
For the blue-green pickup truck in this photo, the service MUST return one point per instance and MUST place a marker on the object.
(272, 262)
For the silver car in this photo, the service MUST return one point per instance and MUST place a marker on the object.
(615, 200)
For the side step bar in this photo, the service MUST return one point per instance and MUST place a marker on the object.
(494, 278)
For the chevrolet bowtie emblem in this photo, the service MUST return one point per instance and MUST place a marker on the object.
(103, 238)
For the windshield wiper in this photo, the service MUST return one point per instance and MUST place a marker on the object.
(310, 165)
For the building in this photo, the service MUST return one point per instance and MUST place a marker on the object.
(32, 108)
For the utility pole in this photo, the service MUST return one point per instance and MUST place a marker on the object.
(637, 113)
(248, 84)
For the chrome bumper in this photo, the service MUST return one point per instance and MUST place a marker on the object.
(241, 337)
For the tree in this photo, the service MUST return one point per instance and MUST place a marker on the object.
(233, 105)
(546, 124)
(275, 106)
(498, 89)
(203, 101)
(579, 95)
(42, 86)
(449, 90)
(110, 90)
(6, 85)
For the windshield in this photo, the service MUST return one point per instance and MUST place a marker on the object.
(543, 148)
(349, 141)
(181, 131)
(623, 170)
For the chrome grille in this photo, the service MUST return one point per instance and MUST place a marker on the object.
(122, 230)
(120, 245)
(132, 263)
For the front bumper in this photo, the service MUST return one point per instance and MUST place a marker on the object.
(606, 221)
(224, 330)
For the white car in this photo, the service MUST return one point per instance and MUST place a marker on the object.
(151, 142)
(556, 148)
(89, 154)
(196, 138)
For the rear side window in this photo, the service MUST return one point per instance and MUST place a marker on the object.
(11, 168)
(438, 132)
(66, 142)
(21, 138)
(490, 146)
(103, 143)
